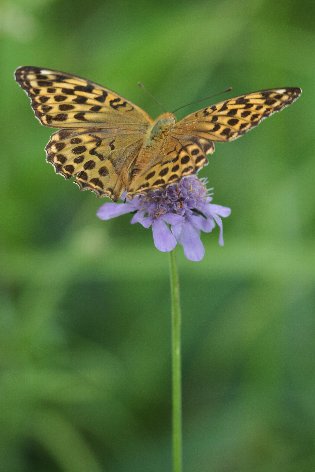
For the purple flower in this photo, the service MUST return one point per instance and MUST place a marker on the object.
(177, 214)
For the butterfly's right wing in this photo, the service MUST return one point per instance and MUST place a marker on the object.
(230, 119)
(181, 156)
(62, 100)
(192, 138)
(98, 160)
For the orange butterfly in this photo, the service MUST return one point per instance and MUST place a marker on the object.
(111, 146)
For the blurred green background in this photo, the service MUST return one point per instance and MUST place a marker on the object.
(85, 322)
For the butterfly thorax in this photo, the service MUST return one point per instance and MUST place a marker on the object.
(159, 128)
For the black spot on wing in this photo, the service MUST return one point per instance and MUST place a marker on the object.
(82, 175)
(60, 98)
(59, 117)
(159, 182)
(241, 100)
(66, 107)
(79, 149)
(67, 91)
(44, 83)
(97, 182)
(59, 146)
(69, 168)
(84, 88)
(80, 116)
(103, 171)
(245, 113)
(163, 172)
(173, 177)
(150, 175)
(185, 159)
(200, 159)
(61, 158)
(102, 97)
(80, 99)
(89, 165)
(233, 121)
(76, 141)
(96, 108)
(232, 112)
(117, 103)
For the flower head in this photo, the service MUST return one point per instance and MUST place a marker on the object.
(177, 214)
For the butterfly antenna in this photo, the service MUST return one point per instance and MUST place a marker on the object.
(202, 99)
(141, 85)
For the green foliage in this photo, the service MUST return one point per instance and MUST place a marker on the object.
(85, 307)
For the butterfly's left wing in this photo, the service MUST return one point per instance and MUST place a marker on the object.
(62, 100)
(230, 119)
(101, 132)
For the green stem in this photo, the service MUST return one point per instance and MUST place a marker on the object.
(176, 367)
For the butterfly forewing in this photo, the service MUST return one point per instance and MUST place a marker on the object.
(61, 100)
(230, 119)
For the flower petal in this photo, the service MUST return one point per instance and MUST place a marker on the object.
(219, 223)
(173, 218)
(112, 210)
(203, 224)
(164, 240)
(219, 210)
(189, 238)
(140, 217)
(177, 230)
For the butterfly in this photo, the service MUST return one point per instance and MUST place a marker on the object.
(113, 147)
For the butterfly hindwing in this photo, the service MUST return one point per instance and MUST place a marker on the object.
(98, 161)
(181, 157)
